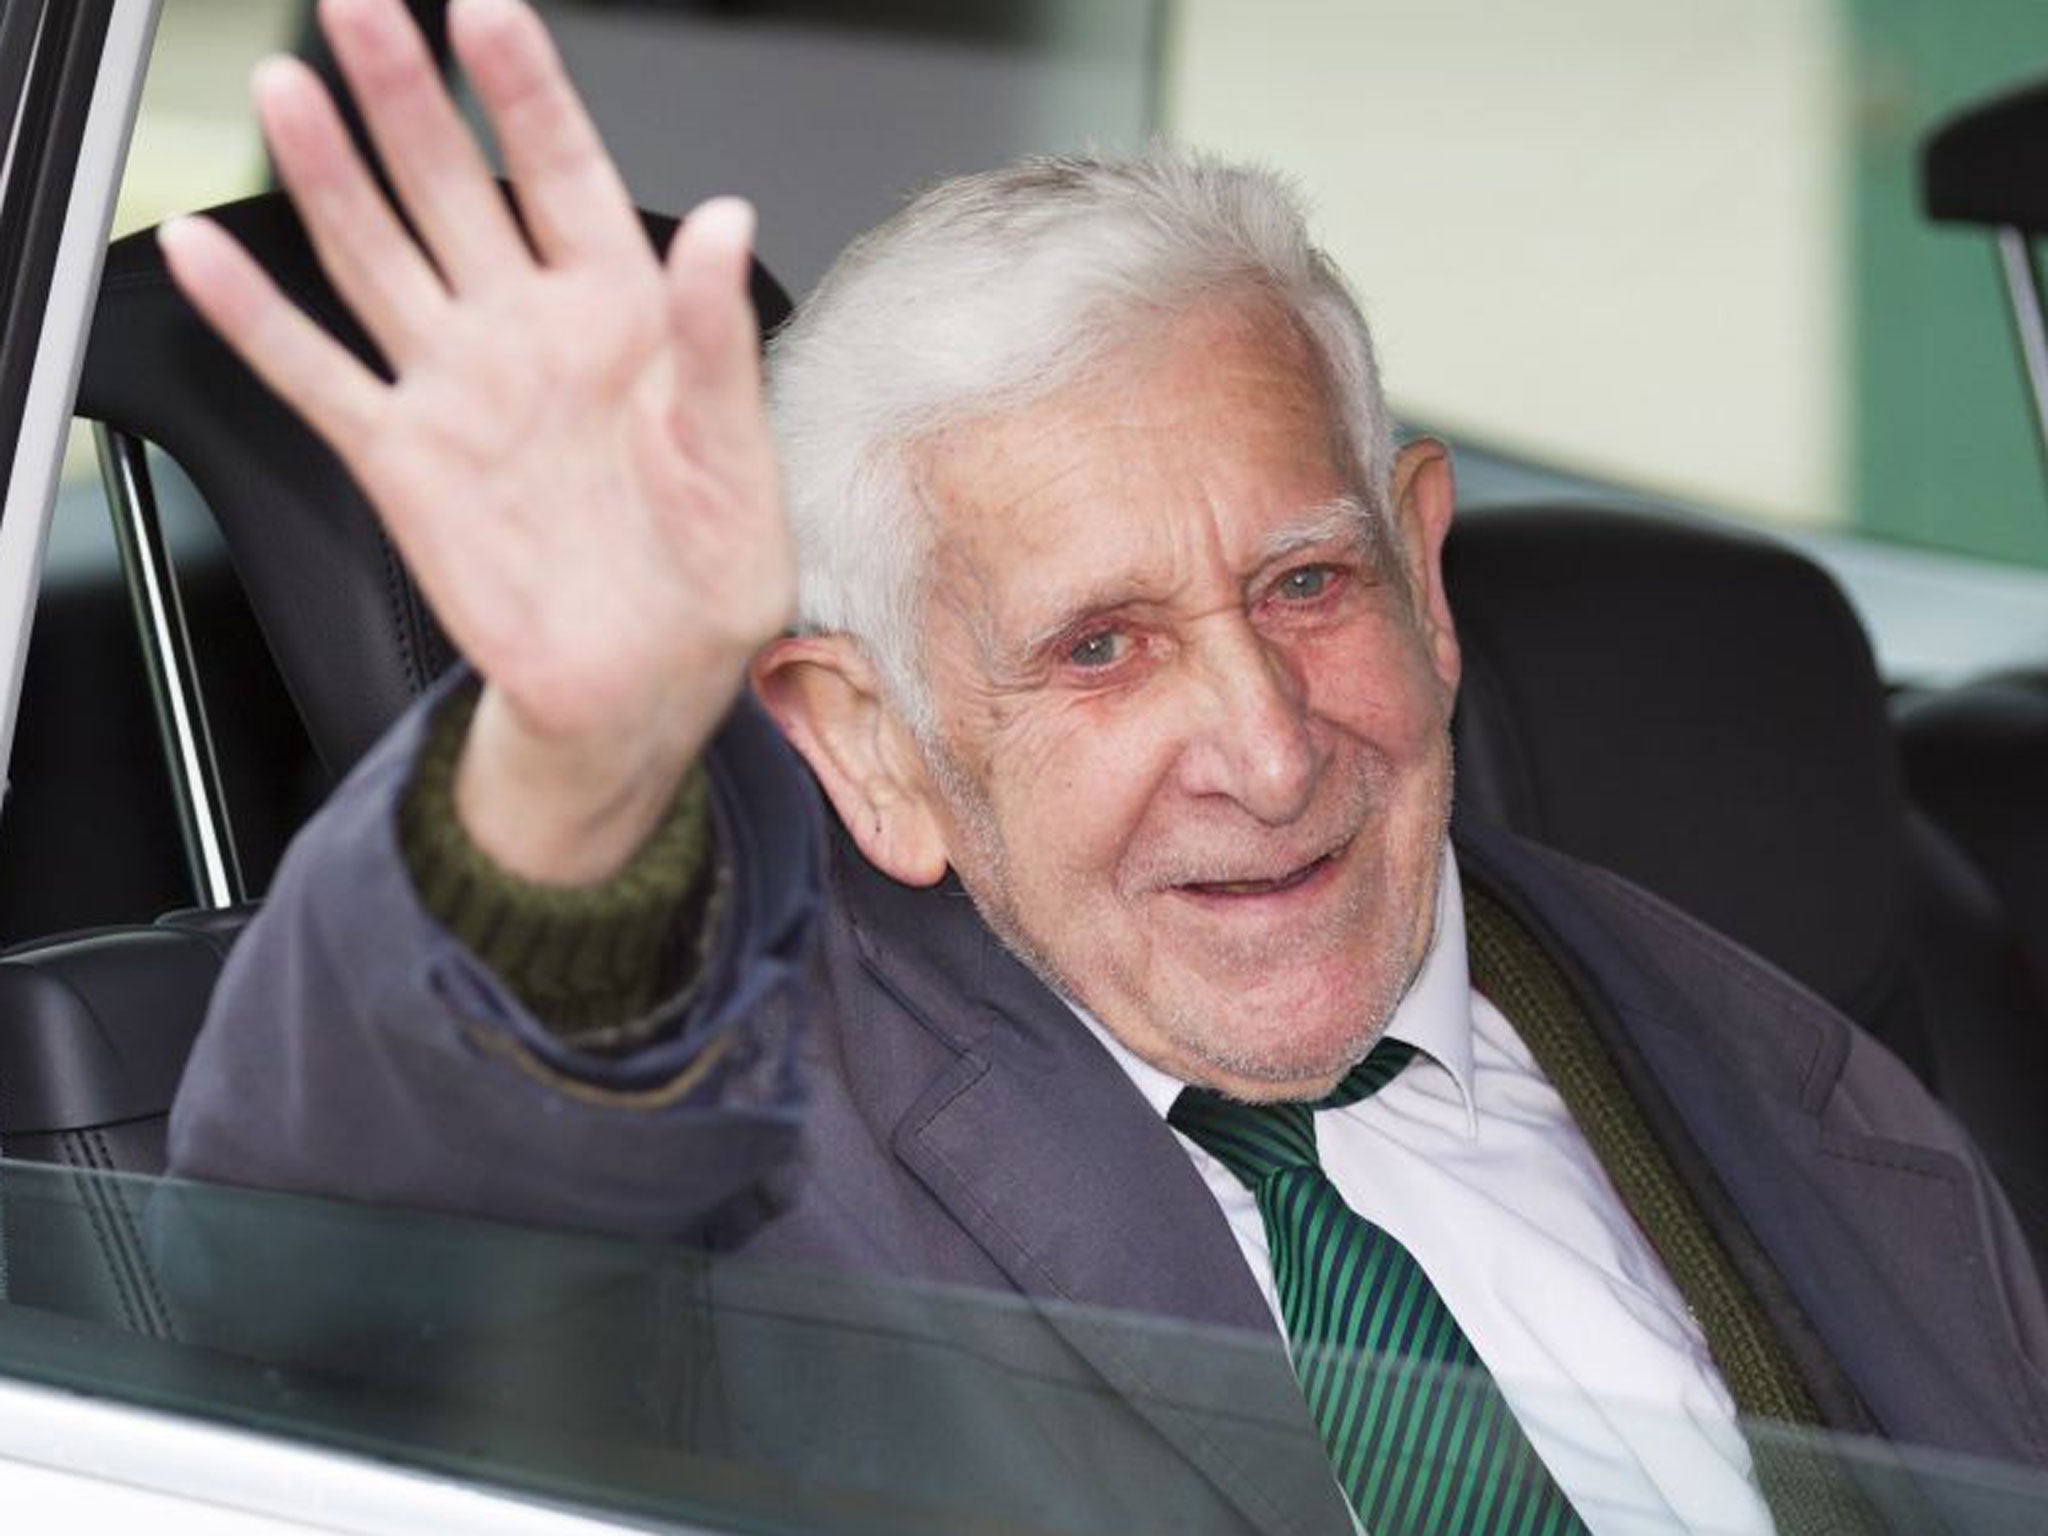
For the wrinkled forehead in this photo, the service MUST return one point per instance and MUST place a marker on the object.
(1194, 456)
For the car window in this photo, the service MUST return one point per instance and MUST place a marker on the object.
(660, 1385)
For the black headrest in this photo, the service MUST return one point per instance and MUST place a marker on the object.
(349, 633)
(1989, 164)
(1697, 709)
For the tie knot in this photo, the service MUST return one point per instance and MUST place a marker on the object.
(1256, 1140)
(1251, 1140)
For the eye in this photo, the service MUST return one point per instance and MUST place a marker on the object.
(1305, 584)
(1104, 648)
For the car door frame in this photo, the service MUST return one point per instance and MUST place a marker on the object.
(71, 79)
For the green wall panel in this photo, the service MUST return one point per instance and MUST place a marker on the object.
(1944, 447)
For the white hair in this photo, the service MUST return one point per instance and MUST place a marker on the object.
(988, 293)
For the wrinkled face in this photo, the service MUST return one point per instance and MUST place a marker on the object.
(1194, 757)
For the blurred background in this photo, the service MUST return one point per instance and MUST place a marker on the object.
(1657, 243)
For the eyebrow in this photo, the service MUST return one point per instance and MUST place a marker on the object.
(1342, 517)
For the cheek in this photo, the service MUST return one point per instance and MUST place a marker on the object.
(1072, 786)
(1377, 681)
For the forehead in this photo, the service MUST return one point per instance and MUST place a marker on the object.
(1188, 450)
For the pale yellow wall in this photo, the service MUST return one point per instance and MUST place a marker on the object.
(195, 138)
(1607, 232)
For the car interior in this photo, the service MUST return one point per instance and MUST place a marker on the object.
(1693, 706)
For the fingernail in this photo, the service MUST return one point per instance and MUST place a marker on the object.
(174, 233)
(733, 217)
(271, 73)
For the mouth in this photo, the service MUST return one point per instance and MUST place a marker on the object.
(1291, 880)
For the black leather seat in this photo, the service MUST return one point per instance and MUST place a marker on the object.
(1976, 756)
(95, 1027)
(1699, 710)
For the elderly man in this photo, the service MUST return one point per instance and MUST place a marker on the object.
(1118, 612)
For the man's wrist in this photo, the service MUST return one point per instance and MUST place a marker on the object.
(563, 813)
(588, 961)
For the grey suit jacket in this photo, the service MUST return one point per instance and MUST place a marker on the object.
(957, 1125)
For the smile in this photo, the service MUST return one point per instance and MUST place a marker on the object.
(1292, 880)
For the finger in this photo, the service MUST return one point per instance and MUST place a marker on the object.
(365, 251)
(575, 203)
(712, 318)
(429, 153)
(312, 372)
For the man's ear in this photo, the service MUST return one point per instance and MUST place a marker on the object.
(828, 699)
(1425, 495)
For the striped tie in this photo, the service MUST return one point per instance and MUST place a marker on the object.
(1418, 1432)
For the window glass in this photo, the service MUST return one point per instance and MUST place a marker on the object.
(655, 1383)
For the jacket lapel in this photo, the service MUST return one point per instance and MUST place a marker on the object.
(1045, 1153)
(1868, 1251)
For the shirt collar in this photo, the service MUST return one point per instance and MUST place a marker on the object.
(1434, 1016)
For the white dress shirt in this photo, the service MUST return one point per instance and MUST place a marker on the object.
(1470, 1159)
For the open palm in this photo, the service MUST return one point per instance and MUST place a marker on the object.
(571, 451)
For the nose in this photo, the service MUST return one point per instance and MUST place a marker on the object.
(1249, 736)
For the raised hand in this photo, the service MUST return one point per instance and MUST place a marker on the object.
(572, 453)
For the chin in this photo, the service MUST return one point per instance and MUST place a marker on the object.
(1302, 1030)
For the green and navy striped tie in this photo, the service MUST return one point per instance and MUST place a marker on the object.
(1417, 1430)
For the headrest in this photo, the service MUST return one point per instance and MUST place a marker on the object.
(1989, 163)
(348, 631)
(1696, 709)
